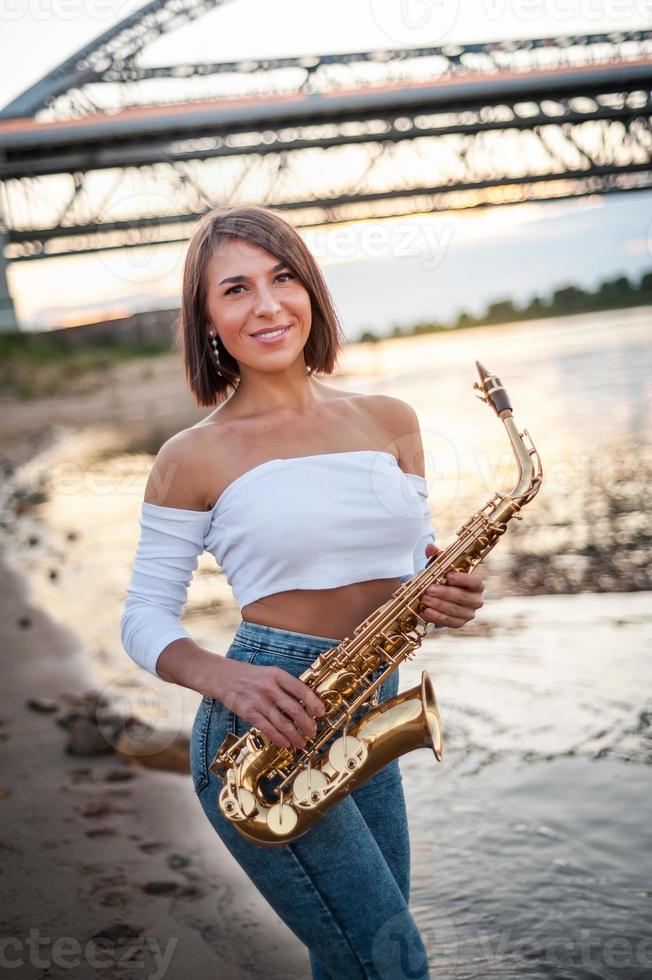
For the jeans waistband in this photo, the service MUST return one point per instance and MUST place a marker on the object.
(256, 636)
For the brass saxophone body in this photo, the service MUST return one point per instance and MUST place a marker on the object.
(272, 794)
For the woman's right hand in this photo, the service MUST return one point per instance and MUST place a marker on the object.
(273, 700)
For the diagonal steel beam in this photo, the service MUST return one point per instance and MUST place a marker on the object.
(118, 44)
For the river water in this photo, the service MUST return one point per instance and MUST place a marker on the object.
(532, 839)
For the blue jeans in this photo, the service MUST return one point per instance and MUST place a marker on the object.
(343, 886)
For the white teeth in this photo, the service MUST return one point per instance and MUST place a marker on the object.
(271, 333)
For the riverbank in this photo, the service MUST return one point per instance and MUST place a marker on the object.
(113, 868)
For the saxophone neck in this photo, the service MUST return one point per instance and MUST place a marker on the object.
(527, 461)
(493, 393)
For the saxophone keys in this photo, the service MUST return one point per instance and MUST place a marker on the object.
(347, 754)
(247, 801)
(309, 785)
(237, 803)
(281, 819)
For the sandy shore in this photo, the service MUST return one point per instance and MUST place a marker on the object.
(97, 847)
(128, 395)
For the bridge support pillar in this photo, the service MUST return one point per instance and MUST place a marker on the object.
(8, 320)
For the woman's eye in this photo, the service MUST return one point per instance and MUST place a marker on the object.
(239, 285)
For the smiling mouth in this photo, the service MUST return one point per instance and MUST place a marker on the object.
(270, 332)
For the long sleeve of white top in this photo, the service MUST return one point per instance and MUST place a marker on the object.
(170, 543)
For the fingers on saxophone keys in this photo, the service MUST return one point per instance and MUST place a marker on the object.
(441, 613)
(281, 730)
(272, 733)
(440, 618)
(301, 721)
(302, 693)
(435, 603)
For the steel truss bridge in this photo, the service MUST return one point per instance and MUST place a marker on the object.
(108, 151)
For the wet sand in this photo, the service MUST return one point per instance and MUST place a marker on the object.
(98, 847)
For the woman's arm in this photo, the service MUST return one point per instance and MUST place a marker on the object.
(172, 537)
(173, 523)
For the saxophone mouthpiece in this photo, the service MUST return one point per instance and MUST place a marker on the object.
(492, 391)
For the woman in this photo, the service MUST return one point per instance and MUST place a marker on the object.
(314, 502)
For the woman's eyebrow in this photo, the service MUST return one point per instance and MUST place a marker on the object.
(279, 265)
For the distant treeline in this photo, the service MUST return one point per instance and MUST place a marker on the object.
(612, 294)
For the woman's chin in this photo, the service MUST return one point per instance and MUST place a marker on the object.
(274, 361)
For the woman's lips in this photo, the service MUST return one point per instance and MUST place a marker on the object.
(274, 338)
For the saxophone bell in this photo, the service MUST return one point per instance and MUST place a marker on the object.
(409, 721)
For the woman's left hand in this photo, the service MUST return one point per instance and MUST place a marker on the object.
(455, 603)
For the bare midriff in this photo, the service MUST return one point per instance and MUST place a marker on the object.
(321, 612)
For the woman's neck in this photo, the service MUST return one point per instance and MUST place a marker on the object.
(287, 392)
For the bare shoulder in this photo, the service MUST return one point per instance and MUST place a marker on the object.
(397, 416)
(386, 414)
(178, 475)
(401, 428)
(390, 422)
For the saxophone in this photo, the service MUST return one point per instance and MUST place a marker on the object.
(273, 794)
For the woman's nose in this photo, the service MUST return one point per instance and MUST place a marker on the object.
(266, 302)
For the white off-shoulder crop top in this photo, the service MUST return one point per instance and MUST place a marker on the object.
(307, 522)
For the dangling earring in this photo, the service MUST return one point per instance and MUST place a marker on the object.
(216, 353)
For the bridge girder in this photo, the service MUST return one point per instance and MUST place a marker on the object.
(112, 57)
(134, 139)
(436, 160)
(617, 158)
(116, 47)
(581, 127)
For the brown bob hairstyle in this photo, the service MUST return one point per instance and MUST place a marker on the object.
(267, 229)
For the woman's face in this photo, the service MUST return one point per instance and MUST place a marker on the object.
(250, 294)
